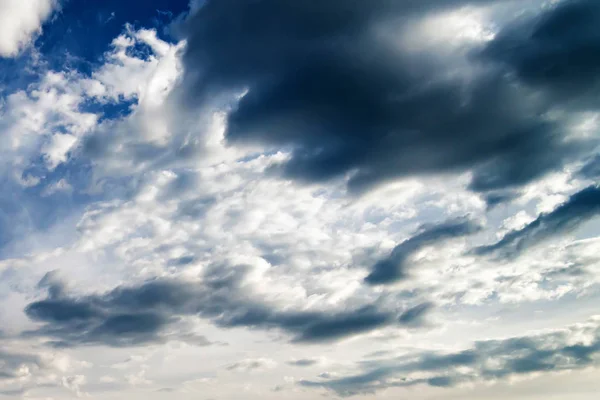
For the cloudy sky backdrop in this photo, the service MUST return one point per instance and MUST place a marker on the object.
(290, 199)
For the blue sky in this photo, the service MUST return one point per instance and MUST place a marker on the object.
(83, 30)
(281, 199)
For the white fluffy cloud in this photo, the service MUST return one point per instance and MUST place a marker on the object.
(20, 22)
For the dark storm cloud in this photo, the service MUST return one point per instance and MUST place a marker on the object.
(123, 317)
(331, 327)
(321, 83)
(557, 51)
(580, 208)
(487, 360)
(495, 199)
(394, 267)
(135, 315)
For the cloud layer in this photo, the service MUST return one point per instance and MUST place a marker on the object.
(130, 316)
(394, 267)
(350, 101)
(281, 199)
(486, 361)
(581, 207)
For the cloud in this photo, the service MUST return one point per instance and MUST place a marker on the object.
(415, 316)
(323, 81)
(574, 348)
(44, 120)
(556, 51)
(74, 383)
(20, 22)
(394, 267)
(141, 84)
(109, 320)
(591, 169)
(252, 364)
(304, 362)
(578, 209)
(181, 231)
(150, 313)
(25, 368)
(48, 124)
(495, 199)
(13, 365)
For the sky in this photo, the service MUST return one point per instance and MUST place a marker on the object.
(285, 199)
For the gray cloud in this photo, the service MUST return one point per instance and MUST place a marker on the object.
(322, 84)
(486, 360)
(557, 51)
(135, 315)
(415, 316)
(120, 318)
(304, 362)
(394, 267)
(580, 207)
(495, 199)
(591, 169)
(10, 362)
(22, 372)
(249, 365)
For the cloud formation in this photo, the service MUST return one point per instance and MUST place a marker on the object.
(304, 362)
(149, 313)
(148, 170)
(20, 22)
(556, 51)
(349, 102)
(578, 209)
(12, 364)
(486, 361)
(252, 364)
(591, 169)
(395, 267)
(416, 315)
